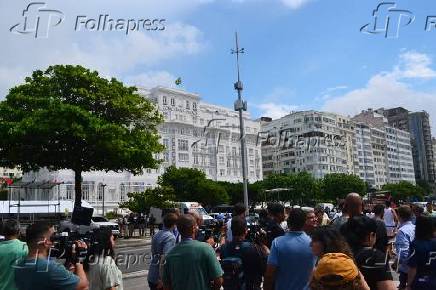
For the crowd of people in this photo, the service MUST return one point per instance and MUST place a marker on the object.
(302, 249)
(128, 225)
(290, 248)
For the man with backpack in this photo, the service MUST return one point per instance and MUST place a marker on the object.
(243, 262)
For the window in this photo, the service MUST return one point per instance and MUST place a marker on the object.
(100, 192)
(166, 143)
(173, 102)
(164, 100)
(166, 157)
(194, 106)
(222, 172)
(183, 145)
(183, 157)
(187, 105)
(196, 159)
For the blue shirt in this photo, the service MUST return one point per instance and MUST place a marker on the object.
(43, 274)
(292, 256)
(161, 244)
(405, 236)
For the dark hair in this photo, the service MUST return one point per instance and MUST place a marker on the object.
(331, 240)
(184, 225)
(11, 228)
(239, 209)
(319, 209)
(101, 249)
(357, 229)
(275, 209)
(36, 231)
(239, 226)
(388, 203)
(424, 228)
(169, 220)
(405, 212)
(379, 210)
(296, 219)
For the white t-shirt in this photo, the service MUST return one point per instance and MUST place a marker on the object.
(229, 236)
(389, 217)
(104, 274)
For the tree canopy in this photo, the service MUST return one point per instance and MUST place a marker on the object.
(338, 185)
(191, 184)
(160, 197)
(404, 190)
(68, 117)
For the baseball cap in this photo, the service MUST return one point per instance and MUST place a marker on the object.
(335, 269)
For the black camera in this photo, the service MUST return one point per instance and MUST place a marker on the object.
(66, 246)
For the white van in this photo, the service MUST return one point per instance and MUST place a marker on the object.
(188, 206)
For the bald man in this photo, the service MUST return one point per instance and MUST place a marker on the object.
(353, 206)
(191, 264)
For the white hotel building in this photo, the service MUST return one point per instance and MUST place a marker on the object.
(196, 135)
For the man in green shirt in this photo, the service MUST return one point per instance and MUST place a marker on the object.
(191, 264)
(12, 250)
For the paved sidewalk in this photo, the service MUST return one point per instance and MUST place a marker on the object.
(132, 242)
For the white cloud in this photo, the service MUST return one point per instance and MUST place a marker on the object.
(414, 65)
(275, 110)
(295, 4)
(152, 79)
(111, 53)
(387, 89)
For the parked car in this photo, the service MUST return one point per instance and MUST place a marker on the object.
(96, 223)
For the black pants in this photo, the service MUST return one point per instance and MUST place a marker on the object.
(403, 280)
(152, 286)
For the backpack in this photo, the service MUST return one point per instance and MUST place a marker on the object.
(232, 266)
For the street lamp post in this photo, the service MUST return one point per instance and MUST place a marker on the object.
(103, 185)
(241, 106)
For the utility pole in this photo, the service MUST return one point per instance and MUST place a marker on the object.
(241, 106)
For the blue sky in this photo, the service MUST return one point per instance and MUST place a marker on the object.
(299, 54)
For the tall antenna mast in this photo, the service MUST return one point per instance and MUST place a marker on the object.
(241, 106)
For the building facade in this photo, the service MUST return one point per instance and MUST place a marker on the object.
(418, 124)
(382, 153)
(312, 141)
(195, 135)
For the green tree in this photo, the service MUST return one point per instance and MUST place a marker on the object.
(190, 184)
(403, 190)
(338, 185)
(68, 117)
(160, 197)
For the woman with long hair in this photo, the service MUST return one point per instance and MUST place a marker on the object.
(335, 269)
(100, 266)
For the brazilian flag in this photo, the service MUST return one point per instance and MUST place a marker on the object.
(178, 81)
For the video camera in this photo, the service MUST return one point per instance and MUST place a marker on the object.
(66, 244)
(67, 248)
(256, 234)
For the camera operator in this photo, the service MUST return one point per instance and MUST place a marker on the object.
(238, 211)
(103, 273)
(276, 213)
(40, 272)
(240, 252)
